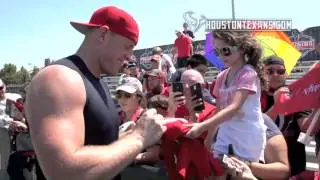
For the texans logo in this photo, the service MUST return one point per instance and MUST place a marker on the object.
(193, 22)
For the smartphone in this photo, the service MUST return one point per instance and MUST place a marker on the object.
(177, 87)
(196, 91)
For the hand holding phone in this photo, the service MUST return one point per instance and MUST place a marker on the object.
(177, 87)
(176, 96)
(196, 92)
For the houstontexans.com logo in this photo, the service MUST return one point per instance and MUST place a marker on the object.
(236, 24)
(302, 41)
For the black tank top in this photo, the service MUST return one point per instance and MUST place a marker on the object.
(100, 114)
(101, 117)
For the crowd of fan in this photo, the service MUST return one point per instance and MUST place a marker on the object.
(238, 111)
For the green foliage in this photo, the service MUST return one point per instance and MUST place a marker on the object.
(10, 75)
(34, 71)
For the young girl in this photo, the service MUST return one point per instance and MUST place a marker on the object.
(238, 118)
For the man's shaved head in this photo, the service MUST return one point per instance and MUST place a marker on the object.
(191, 76)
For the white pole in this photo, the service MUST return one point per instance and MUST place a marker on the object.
(232, 6)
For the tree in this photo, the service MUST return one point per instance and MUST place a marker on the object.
(34, 71)
(23, 75)
(9, 74)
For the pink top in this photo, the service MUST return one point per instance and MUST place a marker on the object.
(245, 130)
(245, 79)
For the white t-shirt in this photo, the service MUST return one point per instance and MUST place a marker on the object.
(246, 130)
(4, 118)
(3, 106)
(12, 96)
(166, 61)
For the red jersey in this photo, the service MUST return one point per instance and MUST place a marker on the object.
(183, 44)
(187, 158)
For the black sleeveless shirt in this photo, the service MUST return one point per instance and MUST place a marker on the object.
(101, 117)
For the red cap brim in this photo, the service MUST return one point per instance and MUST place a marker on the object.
(84, 27)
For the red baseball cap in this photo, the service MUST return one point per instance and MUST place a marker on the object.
(114, 19)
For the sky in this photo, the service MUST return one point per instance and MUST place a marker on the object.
(33, 30)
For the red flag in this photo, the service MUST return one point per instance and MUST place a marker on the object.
(305, 94)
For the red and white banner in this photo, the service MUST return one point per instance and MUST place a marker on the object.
(305, 94)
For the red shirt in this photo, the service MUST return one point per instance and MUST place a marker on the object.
(134, 117)
(209, 109)
(187, 158)
(19, 106)
(307, 175)
(137, 114)
(183, 44)
(166, 91)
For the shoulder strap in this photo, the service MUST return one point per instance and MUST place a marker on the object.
(101, 86)
(137, 114)
(77, 61)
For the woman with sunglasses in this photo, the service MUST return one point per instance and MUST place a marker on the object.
(238, 88)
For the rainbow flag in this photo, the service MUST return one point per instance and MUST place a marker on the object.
(278, 43)
(273, 43)
(210, 53)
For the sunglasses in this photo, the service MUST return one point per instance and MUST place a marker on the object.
(278, 71)
(125, 95)
(226, 51)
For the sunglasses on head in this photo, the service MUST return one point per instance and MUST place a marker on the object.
(278, 71)
(226, 51)
(121, 94)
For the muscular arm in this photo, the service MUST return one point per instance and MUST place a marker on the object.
(277, 165)
(54, 109)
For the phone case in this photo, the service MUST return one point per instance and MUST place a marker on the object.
(177, 87)
(196, 91)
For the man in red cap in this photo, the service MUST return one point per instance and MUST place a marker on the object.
(74, 123)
